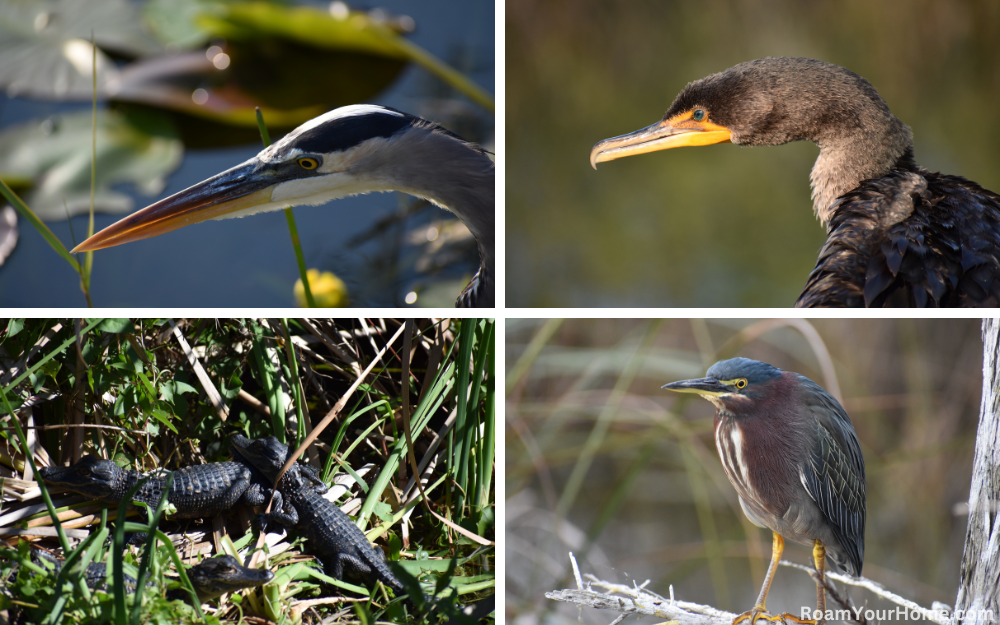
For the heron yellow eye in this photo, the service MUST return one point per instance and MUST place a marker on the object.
(741, 383)
(308, 163)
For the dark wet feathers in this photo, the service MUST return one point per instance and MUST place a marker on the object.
(910, 238)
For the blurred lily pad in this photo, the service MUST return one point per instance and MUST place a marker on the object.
(289, 57)
(173, 22)
(45, 48)
(207, 106)
(342, 30)
(265, 54)
(55, 154)
(350, 30)
(8, 231)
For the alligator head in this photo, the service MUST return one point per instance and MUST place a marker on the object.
(267, 454)
(215, 576)
(91, 476)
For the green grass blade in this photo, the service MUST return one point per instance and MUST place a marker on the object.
(148, 550)
(42, 229)
(290, 218)
(442, 70)
(464, 426)
(488, 448)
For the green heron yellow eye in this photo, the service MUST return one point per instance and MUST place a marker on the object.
(791, 452)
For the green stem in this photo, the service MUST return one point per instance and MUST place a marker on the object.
(290, 218)
(42, 229)
(88, 257)
(294, 231)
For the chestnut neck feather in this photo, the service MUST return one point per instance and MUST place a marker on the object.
(773, 436)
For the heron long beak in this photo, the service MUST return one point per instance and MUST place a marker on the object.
(707, 387)
(239, 189)
(677, 132)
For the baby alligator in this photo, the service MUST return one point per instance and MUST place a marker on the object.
(203, 490)
(211, 578)
(340, 545)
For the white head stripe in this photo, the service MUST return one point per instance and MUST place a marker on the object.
(353, 110)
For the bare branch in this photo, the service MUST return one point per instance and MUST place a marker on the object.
(978, 599)
(934, 615)
(637, 600)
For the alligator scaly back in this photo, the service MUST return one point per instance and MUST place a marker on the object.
(203, 490)
(332, 536)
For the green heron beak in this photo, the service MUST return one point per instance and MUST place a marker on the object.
(790, 451)
(706, 387)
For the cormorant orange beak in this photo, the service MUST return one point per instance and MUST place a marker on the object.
(242, 190)
(677, 132)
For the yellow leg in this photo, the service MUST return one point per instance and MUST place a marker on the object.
(759, 610)
(819, 559)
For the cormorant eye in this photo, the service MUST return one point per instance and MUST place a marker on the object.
(307, 162)
(741, 383)
(697, 116)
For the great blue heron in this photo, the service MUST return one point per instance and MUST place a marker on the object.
(350, 150)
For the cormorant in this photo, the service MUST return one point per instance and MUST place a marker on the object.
(361, 148)
(898, 235)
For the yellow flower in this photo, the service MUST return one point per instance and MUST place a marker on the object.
(328, 290)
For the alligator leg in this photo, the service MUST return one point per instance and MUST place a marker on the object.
(360, 569)
(284, 514)
(334, 567)
(310, 473)
(259, 495)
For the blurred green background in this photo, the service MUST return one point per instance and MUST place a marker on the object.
(717, 225)
(652, 501)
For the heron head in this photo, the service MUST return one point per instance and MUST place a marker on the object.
(343, 152)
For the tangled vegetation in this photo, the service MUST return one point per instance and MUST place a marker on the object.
(168, 393)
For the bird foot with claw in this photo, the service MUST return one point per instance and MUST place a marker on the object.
(750, 617)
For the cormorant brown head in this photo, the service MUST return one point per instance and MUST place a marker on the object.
(776, 100)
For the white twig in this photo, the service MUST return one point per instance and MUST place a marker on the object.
(878, 589)
(576, 571)
(636, 600)
(206, 382)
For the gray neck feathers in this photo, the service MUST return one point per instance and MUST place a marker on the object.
(457, 176)
(794, 99)
(845, 161)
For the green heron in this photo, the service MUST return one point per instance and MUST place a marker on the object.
(789, 449)
(897, 234)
